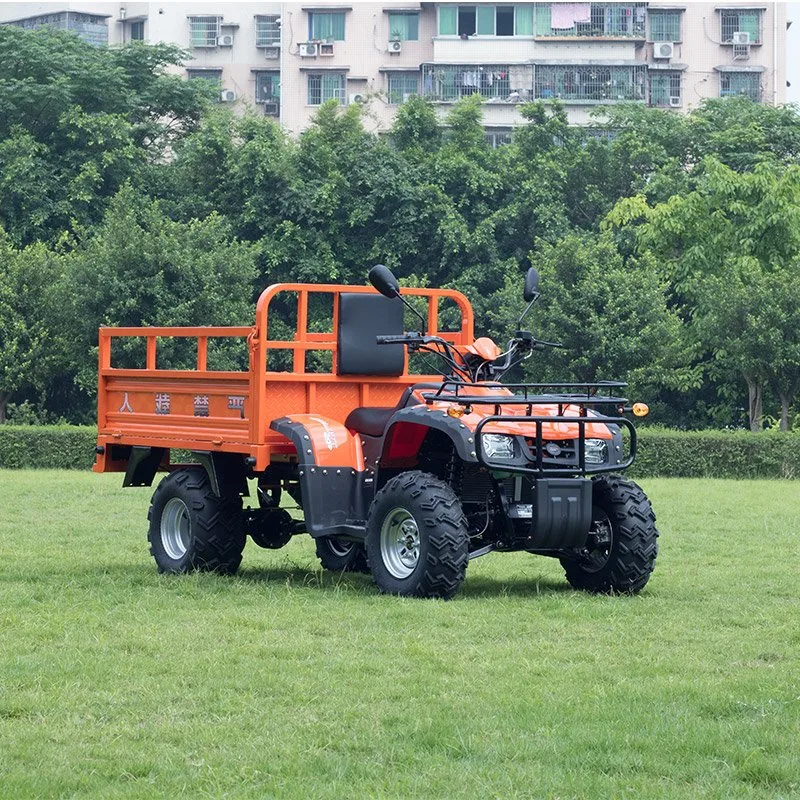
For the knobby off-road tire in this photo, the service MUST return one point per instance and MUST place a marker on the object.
(417, 537)
(193, 529)
(340, 555)
(623, 543)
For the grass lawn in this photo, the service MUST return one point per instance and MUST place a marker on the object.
(288, 682)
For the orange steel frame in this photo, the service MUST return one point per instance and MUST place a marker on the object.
(264, 395)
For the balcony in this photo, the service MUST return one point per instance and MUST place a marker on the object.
(606, 21)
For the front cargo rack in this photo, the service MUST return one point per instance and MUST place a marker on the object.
(583, 395)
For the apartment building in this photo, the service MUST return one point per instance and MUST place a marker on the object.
(289, 58)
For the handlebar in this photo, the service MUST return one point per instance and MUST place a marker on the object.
(403, 338)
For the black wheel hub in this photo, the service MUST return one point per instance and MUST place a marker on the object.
(270, 528)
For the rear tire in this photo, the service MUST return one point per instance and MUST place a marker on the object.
(193, 529)
(622, 546)
(341, 555)
(417, 537)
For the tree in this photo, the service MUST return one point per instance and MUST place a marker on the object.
(30, 341)
(77, 121)
(731, 247)
(141, 268)
(611, 316)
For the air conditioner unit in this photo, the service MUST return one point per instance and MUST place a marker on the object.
(395, 47)
(663, 49)
(272, 109)
(225, 41)
(675, 102)
(272, 52)
(358, 98)
(741, 37)
(308, 50)
(227, 96)
(326, 48)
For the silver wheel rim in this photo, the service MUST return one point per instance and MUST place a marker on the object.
(339, 547)
(400, 543)
(175, 528)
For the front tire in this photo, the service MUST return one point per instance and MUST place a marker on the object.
(341, 555)
(193, 529)
(621, 549)
(417, 537)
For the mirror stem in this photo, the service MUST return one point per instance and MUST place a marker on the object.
(527, 309)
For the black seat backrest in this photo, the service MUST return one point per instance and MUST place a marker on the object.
(363, 317)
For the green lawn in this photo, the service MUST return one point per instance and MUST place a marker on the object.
(287, 682)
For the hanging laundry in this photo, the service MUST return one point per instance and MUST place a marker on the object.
(566, 15)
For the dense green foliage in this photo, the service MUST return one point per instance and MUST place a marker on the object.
(133, 200)
(662, 452)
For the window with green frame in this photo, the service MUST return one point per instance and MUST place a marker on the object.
(665, 88)
(747, 84)
(326, 25)
(505, 20)
(404, 27)
(323, 86)
(745, 20)
(268, 86)
(400, 86)
(665, 26)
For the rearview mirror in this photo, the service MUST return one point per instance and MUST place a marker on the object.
(531, 289)
(384, 281)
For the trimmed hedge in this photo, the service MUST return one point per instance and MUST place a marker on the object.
(47, 446)
(663, 453)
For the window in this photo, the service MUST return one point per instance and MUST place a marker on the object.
(735, 20)
(665, 89)
(747, 84)
(404, 27)
(401, 85)
(591, 19)
(589, 84)
(88, 27)
(203, 31)
(449, 83)
(268, 31)
(497, 137)
(211, 75)
(665, 26)
(486, 20)
(326, 25)
(137, 31)
(268, 87)
(325, 86)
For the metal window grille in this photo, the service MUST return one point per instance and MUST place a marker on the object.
(268, 87)
(449, 83)
(589, 84)
(747, 84)
(268, 31)
(498, 138)
(401, 85)
(88, 27)
(203, 31)
(605, 19)
(664, 86)
(211, 75)
(325, 86)
(732, 21)
(665, 26)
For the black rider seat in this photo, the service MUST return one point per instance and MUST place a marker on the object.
(372, 420)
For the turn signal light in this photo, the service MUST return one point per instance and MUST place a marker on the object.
(455, 411)
(641, 409)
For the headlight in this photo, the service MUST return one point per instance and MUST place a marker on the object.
(497, 445)
(596, 451)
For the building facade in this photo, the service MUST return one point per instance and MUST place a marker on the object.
(289, 58)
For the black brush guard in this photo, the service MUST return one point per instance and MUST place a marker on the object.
(583, 395)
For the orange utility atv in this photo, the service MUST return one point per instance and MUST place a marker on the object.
(406, 475)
